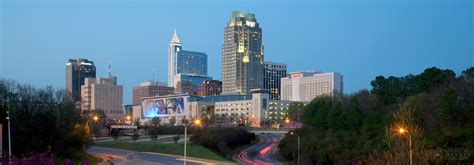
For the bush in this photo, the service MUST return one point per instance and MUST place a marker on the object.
(223, 140)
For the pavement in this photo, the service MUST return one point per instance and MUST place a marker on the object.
(126, 157)
(262, 152)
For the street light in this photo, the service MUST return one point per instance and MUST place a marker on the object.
(9, 138)
(403, 131)
(95, 118)
(291, 133)
(287, 121)
(198, 123)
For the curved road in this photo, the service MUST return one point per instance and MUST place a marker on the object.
(123, 157)
(261, 153)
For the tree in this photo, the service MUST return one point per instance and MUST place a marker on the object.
(154, 135)
(468, 74)
(184, 121)
(449, 108)
(398, 149)
(136, 122)
(135, 136)
(176, 139)
(98, 119)
(42, 119)
(295, 110)
(115, 134)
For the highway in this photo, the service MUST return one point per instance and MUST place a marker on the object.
(262, 152)
(125, 157)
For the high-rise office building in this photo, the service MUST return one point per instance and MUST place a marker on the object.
(174, 48)
(305, 86)
(76, 72)
(184, 63)
(149, 89)
(242, 54)
(210, 88)
(272, 74)
(191, 63)
(103, 94)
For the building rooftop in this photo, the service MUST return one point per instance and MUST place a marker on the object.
(221, 98)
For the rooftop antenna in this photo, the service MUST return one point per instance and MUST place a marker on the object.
(110, 68)
(153, 75)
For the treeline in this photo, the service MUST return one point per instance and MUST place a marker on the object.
(43, 121)
(436, 108)
(222, 139)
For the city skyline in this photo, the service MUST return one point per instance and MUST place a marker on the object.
(432, 47)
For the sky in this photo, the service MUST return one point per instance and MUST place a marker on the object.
(360, 39)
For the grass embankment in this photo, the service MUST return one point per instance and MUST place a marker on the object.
(173, 149)
(78, 156)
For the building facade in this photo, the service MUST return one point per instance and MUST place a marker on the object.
(272, 74)
(76, 72)
(191, 63)
(209, 88)
(103, 94)
(242, 54)
(149, 89)
(305, 86)
(184, 87)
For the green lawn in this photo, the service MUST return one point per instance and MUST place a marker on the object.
(77, 157)
(173, 149)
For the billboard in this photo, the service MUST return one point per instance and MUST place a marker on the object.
(163, 107)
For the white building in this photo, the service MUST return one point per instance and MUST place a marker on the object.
(305, 86)
(252, 109)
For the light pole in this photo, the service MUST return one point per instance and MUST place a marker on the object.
(298, 136)
(185, 134)
(96, 119)
(403, 131)
(9, 138)
(197, 122)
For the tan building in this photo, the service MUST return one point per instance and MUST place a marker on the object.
(149, 89)
(103, 94)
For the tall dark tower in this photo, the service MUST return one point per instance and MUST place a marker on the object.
(76, 72)
(242, 55)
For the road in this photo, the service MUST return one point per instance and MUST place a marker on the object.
(261, 153)
(125, 157)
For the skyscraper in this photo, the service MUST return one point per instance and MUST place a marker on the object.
(272, 74)
(76, 72)
(174, 48)
(189, 64)
(242, 54)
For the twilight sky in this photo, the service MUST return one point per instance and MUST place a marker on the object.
(358, 38)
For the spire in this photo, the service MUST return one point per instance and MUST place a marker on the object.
(110, 68)
(175, 38)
